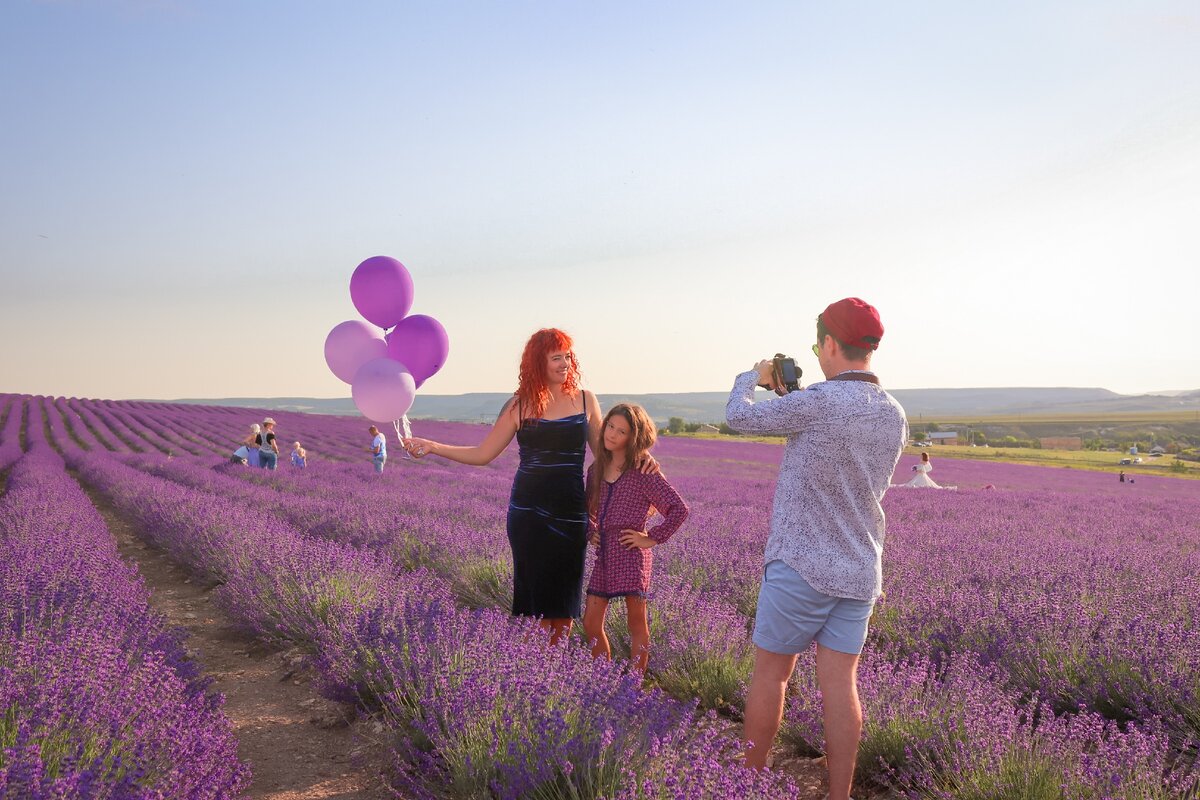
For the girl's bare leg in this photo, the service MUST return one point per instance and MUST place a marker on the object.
(639, 632)
(593, 626)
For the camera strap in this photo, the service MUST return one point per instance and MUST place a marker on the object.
(869, 377)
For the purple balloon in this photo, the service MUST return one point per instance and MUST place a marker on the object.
(350, 345)
(383, 390)
(382, 290)
(420, 343)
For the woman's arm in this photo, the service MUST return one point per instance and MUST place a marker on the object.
(477, 455)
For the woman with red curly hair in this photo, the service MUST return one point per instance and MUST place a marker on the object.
(553, 420)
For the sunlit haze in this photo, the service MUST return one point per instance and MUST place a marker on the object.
(187, 187)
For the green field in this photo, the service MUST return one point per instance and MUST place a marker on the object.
(1052, 425)
(1076, 459)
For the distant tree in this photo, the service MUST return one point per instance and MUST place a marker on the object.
(725, 429)
(675, 424)
(978, 437)
(920, 436)
(692, 427)
(933, 427)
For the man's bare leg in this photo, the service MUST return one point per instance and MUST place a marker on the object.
(764, 703)
(837, 678)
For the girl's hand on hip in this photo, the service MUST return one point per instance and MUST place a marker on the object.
(634, 540)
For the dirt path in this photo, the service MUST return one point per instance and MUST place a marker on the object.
(299, 745)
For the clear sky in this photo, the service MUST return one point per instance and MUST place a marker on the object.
(187, 185)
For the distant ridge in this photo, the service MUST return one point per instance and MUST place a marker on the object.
(710, 406)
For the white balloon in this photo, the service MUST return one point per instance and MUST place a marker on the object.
(383, 390)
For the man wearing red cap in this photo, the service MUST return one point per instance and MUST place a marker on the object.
(823, 560)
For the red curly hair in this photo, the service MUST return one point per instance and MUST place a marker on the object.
(533, 390)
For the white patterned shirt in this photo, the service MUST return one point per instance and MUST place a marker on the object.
(844, 438)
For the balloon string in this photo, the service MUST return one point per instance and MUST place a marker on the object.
(403, 428)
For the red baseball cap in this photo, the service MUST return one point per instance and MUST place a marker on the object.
(854, 322)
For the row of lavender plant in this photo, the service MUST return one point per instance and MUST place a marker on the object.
(700, 679)
(565, 725)
(466, 539)
(97, 697)
(460, 541)
(10, 431)
(100, 431)
(77, 430)
(739, 505)
(953, 730)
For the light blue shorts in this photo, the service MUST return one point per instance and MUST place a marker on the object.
(791, 614)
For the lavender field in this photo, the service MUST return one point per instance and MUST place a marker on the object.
(1040, 636)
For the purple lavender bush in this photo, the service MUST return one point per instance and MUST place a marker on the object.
(97, 697)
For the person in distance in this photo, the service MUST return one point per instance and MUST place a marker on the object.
(378, 448)
(251, 443)
(268, 447)
(299, 456)
(823, 558)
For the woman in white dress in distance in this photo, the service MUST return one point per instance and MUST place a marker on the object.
(922, 480)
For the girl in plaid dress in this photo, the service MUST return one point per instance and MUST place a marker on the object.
(621, 500)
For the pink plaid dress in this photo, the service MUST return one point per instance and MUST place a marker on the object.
(626, 504)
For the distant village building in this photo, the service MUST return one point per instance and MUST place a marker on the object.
(1157, 450)
(943, 437)
(1061, 442)
(706, 428)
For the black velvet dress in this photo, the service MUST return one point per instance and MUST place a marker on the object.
(547, 518)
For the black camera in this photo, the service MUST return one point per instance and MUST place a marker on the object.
(786, 373)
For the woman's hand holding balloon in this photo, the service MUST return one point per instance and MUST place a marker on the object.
(417, 447)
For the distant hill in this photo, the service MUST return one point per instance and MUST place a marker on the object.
(710, 406)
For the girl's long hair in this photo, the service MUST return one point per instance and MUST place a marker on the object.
(642, 436)
(533, 390)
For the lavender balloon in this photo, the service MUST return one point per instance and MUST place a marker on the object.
(350, 345)
(382, 290)
(420, 343)
(383, 390)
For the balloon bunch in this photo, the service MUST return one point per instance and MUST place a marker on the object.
(385, 369)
